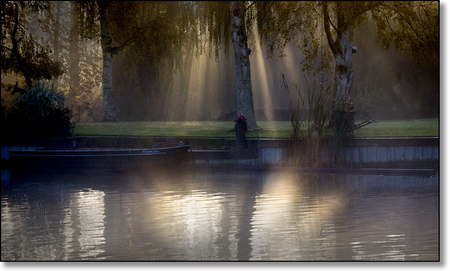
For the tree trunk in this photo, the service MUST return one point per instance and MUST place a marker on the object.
(343, 82)
(106, 40)
(242, 62)
(342, 50)
(56, 43)
(74, 72)
(344, 70)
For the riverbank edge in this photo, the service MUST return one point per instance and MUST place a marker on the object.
(199, 143)
(221, 151)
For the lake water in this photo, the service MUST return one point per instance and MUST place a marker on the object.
(218, 214)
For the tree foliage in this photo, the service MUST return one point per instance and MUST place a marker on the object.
(150, 39)
(280, 23)
(40, 112)
(323, 31)
(223, 22)
(411, 26)
(80, 56)
(153, 44)
(214, 26)
(22, 52)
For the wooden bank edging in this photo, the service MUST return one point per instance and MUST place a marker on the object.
(408, 153)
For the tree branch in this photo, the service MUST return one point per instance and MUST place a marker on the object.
(254, 2)
(327, 22)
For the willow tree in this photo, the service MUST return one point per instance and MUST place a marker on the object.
(244, 90)
(412, 26)
(146, 32)
(225, 21)
(153, 44)
(94, 22)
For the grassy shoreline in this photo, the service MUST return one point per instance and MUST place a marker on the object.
(270, 129)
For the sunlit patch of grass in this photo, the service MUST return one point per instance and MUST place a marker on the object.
(270, 129)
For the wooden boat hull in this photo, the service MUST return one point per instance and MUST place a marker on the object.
(86, 159)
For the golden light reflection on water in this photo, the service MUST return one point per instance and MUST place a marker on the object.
(288, 221)
(191, 222)
(196, 221)
(275, 223)
(222, 216)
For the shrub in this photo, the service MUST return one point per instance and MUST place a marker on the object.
(40, 112)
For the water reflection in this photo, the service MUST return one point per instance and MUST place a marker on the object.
(84, 223)
(391, 228)
(292, 218)
(210, 214)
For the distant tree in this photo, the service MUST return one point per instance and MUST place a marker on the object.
(153, 43)
(22, 53)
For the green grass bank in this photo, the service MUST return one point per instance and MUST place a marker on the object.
(270, 129)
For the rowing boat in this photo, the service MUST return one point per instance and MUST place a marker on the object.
(82, 159)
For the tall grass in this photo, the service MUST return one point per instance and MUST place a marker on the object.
(309, 115)
(320, 125)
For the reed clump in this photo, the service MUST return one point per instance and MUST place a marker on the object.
(321, 126)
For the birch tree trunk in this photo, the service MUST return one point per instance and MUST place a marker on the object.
(106, 40)
(241, 58)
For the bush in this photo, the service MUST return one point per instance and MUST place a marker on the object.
(40, 112)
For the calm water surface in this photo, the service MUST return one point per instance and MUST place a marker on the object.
(217, 214)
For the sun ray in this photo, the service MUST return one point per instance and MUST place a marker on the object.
(260, 82)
